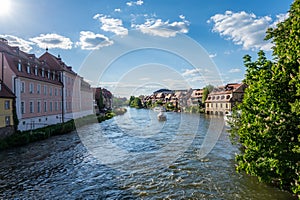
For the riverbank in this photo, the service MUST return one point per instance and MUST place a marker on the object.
(25, 137)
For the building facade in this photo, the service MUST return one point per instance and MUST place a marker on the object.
(7, 99)
(222, 99)
(47, 90)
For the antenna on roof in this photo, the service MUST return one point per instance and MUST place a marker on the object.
(46, 49)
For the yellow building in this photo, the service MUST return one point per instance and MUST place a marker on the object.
(6, 106)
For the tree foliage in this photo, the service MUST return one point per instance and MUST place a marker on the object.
(269, 125)
(206, 90)
(135, 102)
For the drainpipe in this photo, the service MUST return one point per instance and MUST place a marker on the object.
(62, 104)
(15, 102)
(62, 98)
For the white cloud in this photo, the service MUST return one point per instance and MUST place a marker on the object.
(157, 27)
(118, 10)
(138, 3)
(212, 55)
(182, 17)
(52, 40)
(244, 29)
(109, 24)
(192, 72)
(19, 42)
(280, 18)
(235, 70)
(92, 41)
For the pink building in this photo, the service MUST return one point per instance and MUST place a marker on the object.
(77, 93)
(47, 91)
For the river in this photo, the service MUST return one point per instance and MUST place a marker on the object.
(133, 156)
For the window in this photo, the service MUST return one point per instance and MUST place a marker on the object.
(45, 106)
(53, 75)
(31, 107)
(7, 120)
(36, 70)
(22, 107)
(56, 106)
(28, 69)
(7, 105)
(31, 88)
(38, 90)
(43, 72)
(48, 74)
(50, 109)
(45, 89)
(22, 87)
(19, 67)
(55, 91)
(38, 106)
(50, 91)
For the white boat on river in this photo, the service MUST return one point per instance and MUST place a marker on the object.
(161, 116)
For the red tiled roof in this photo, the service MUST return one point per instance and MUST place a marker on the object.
(5, 92)
(55, 63)
(13, 63)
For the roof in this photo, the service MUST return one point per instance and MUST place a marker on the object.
(55, 63)
(222, 93)
(163, 91)
(227, 89)
(13, 62)
(14, 56)
(5, 92)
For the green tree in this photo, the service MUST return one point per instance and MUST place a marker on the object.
(136, 103)
(206, 90)
(268, 127)
(131, 100)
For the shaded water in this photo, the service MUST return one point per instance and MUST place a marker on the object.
(130, 157)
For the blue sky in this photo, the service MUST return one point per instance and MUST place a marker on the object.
(226, 30)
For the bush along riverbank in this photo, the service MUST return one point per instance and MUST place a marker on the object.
(25, 137)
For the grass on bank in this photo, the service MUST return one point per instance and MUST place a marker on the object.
(25, 137)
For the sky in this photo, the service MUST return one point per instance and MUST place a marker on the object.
(137, 47)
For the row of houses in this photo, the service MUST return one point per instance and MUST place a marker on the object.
(45, 89)
(179, 98)
(219, 101)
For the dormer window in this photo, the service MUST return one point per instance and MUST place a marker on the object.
(19, 67)
(36, 70)
(53, 75)
(48, 74)
(43, 72)
(28, 69)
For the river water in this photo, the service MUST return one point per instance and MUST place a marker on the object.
(133, 156)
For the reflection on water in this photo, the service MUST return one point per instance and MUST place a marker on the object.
(66, 167)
